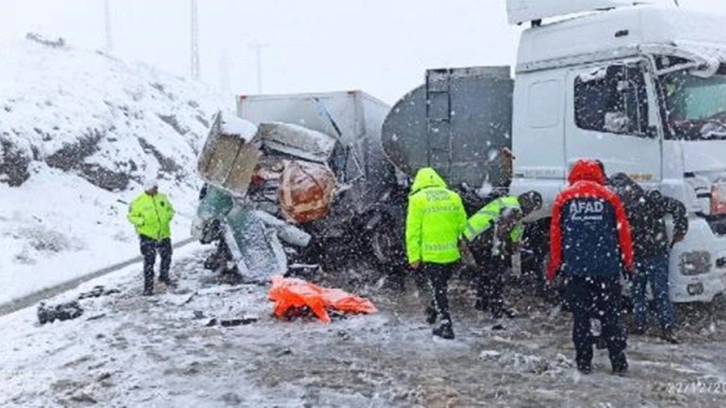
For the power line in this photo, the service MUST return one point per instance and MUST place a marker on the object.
(224, 81)
(107, 18)
(257, 48)
(195, 71)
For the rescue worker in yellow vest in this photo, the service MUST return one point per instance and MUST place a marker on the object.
(151, 213)
(492, 234)
(435, 220)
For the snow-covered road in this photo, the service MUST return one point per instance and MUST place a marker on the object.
(137, 351)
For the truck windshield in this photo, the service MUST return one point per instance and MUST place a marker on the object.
(696, 106)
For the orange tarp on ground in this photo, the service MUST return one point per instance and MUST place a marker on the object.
(290, 293)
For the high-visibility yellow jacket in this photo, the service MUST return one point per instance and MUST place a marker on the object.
(489, 215)
(436, 218)
(151, 215)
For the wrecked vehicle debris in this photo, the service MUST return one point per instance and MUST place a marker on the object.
(96, 292)
(232, 322)
(277, 193)
(63, 311)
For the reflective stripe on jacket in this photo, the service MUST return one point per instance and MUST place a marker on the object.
(435, 220)
(489, 215)
(151, 215)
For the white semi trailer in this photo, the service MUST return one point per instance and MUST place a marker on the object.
(643, 89)
(639, 87)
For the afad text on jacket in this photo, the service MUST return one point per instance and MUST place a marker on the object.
(590, 233)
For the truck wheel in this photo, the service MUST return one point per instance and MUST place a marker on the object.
(386, 255)
(382, 243)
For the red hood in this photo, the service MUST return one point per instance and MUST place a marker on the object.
(587, 170)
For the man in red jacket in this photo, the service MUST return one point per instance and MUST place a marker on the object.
(591, 245)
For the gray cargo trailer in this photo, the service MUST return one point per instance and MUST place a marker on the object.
(458, 122)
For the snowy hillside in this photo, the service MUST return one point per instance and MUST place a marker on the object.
(79, 131)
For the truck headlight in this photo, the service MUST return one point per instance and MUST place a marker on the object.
(695, 263)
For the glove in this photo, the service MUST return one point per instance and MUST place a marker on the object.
(676, 239)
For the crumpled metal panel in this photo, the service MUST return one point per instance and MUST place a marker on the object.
(306, 191)
(227, 160)
(297, 141)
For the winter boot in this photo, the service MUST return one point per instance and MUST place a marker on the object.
(619, 364)
(566, 307)
(584, 368)
(510, 313)
(148, 284)
(669, 336)
(431, 315)
(444, 331)
(638, 330)
(498, 327)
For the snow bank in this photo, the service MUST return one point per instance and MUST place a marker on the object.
(79, 132)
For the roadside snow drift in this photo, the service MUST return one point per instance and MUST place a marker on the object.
(79, 132)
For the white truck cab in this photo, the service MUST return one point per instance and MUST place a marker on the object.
(641, 88)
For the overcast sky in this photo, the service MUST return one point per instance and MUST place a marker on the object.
(380, 46)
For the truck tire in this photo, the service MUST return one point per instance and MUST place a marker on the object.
(382, 242)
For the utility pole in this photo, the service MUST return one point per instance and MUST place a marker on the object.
(107, 19)
(257, 48)
(195, 71)
(224, 82)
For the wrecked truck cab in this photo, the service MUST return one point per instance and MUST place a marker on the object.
(250, 241)
(287, 180)
(364, 210)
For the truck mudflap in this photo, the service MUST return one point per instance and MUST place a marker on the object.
(697, 266)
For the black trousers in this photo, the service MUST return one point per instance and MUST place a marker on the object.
(439, 275)
(490, 277)
(596, 298)
(149, 248)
